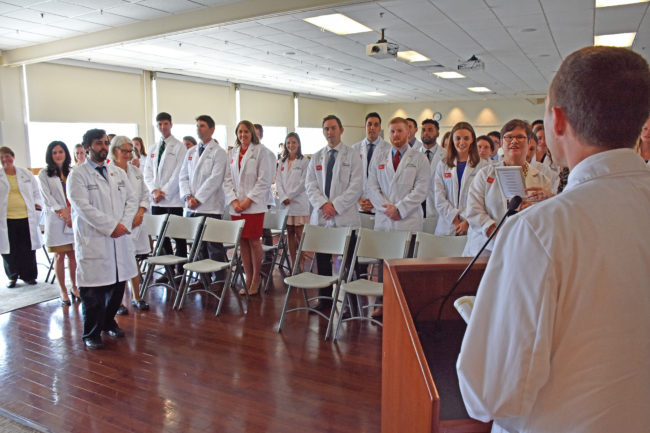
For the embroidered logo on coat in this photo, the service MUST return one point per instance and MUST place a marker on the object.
(490, 180)
(447, 175)
(319, 167)
(381, 166)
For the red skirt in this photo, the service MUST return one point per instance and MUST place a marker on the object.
(253, 224)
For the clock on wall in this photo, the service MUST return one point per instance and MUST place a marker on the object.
(437, 116)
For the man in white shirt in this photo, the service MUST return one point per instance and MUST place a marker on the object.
(434, 154)
(333, 189)
(413, 129)
(366, 149)
(201, 182)
(558, 338)
(161, 177)
(103, 211)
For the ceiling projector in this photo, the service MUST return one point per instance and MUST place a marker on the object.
(471, 64)
(382, 49)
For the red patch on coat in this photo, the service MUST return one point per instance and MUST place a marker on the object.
(490, 180)
(319, 167)
(189, 158)
(381, 166)
(151, 155)
(447, 175)
(281, 168)
(231, 161)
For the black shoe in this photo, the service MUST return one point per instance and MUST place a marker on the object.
(94, 343)
(140, 305)
(11, 284)
(31, 282)
(122, 311)
(322, 305)
(162, 280)
(74, 297)
(66, 302)
(116, 332)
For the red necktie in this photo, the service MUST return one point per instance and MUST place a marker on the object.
(396, 159)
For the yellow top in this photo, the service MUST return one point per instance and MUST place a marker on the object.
(16, 207)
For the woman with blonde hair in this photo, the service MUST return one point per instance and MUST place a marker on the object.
(642, 146)
(247, 184)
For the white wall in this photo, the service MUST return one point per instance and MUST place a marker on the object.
(12, 119)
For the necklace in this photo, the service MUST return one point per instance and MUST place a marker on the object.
(524, 169)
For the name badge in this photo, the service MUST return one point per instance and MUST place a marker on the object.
(490, 180)
(151, 155)
(448, 175)
(319, 167)
(121, 184)
(92, 187)
(381, 166)
(189, 158)
(281, 168)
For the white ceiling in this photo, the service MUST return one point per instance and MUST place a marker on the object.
(522, 42)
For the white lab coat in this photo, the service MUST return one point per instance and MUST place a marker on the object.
(29, 190)
(558, 337)
(290, 184)
(138, 236)
(165, 176)
(51, 190)
(362, 148)
(405, 188)
(438, 154)
(448, 202)
(98, 205)
(345, 188)
(202, 177)
(551, 171)
(417, 145)
(486, 204)
(253, 180)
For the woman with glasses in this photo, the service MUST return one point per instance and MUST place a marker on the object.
(120, 153)
(452, 179)
(486, 203)
(58, 221)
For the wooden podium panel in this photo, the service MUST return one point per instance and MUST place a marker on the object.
(413, 291)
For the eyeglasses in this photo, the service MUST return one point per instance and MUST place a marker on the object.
(510, 138)
(126, 151)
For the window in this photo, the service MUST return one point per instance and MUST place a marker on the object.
(180, 130)
(41, 134)
(311, 140)
(273, 136)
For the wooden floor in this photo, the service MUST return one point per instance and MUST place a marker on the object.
(189, 371)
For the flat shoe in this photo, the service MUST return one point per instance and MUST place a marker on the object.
(94, 343)
(122, 311)
(116, 332)
(140, 305)
(11, 284)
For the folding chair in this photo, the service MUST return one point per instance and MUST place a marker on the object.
(430, 246)
(379, 246)
(325, 240)
(177, 227)
(214, 230)
(153, 225)
(429, 225)
(276, 221)
(367, 222)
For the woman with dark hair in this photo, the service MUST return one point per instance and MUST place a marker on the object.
(58, 221)
(139, 146)
(452, 179)
(247, 185)
(20, 235)
(445, 140)
(290, 183)
(189, 142)
(485, 147)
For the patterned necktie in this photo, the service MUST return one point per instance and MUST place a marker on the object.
(161, 149)
(371, 149)
(101, 170)
(396, 159)
(201, 149)
(429, 155)
(329, 172)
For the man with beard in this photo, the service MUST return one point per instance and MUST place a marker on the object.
(434, 153)
(103, 211)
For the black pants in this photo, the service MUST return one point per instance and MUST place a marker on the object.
(212, 250)
(324, 263)
(181, 244)
(21, 260)
(98, 307)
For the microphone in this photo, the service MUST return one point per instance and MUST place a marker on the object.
(513, 204)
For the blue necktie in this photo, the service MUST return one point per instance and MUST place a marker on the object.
(201, 149)
(101, 170)
(329, 172)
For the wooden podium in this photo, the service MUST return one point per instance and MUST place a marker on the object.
(415, 351)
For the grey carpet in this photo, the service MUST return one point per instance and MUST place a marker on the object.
(24, 295)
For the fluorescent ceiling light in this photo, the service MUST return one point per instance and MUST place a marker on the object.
(448, 75)
(608, 3)
(479, 89)
(339, 24)
(375, 94)
(412, 56)
(615, 40)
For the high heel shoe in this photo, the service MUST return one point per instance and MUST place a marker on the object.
(66, 302)
(75, 298)
(254, 289)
